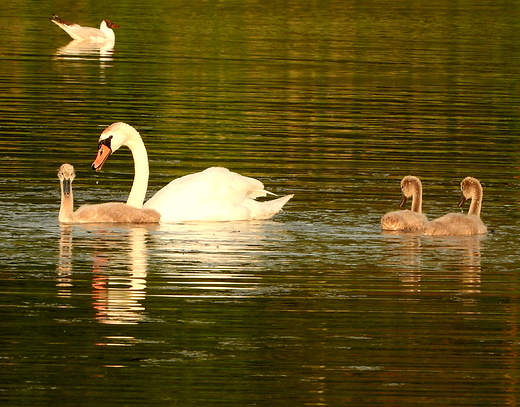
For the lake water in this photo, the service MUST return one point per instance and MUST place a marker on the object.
(334, 101)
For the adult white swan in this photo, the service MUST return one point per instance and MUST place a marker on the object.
(215, 194)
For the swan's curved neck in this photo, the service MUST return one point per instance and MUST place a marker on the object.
(476, 202)
(140, 185)
(417, 198)
(66, 214)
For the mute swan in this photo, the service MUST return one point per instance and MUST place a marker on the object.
(108, 212)
(77, 32)
(215, 194)
(407, 220)
(458, 224)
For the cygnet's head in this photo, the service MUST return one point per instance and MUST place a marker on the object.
(409, 186)
(470, 188)
(66, 175)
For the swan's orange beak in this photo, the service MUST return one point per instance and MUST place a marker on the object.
(103, 154)
(403, 201)
(462, 200)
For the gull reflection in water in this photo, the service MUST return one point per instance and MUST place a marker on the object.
(119, 269)
(78, 48)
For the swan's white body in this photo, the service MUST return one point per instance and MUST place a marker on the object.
(215, 194)
(104, 33)
(458, 224)
(407, 220)
(113, 212)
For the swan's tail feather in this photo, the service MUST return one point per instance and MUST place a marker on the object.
(271, 208)
(259, 193)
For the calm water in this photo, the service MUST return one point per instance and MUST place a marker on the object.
(334, 101)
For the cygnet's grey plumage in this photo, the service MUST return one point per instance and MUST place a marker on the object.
(458, 224)
(407, 220)
(113, 212)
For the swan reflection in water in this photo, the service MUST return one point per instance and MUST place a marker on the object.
(198, 259)
(76, 49)
(216, 259)
(407, 257)
(119, 269)
(415, 254)
(64, 267)
(118, 296)
(462, 255)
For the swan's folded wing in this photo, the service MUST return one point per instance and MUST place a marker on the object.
(213, 194)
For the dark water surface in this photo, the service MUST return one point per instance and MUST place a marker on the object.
(334, 101)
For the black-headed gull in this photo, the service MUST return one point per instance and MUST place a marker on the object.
(76, 31)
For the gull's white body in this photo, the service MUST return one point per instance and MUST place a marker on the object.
(104, 33)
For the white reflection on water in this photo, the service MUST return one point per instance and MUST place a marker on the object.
(77, 49)
(119, 270)
(219, 258)
(64, 266)
(118, 297)
(207, 259)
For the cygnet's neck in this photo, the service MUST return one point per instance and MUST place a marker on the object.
(417, 198)
(476, 201)
(66, 214)
(140, 185)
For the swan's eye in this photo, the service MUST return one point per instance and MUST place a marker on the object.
(106, 142)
